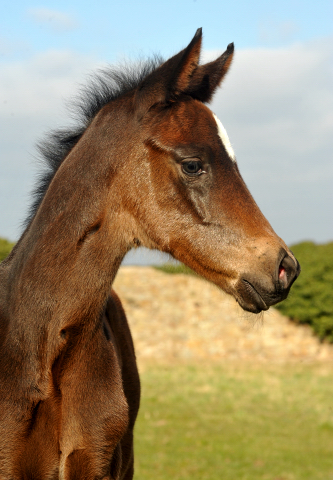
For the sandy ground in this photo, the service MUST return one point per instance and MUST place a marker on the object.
(182, 317)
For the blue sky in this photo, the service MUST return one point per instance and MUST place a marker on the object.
(109, 29)
(276, 103)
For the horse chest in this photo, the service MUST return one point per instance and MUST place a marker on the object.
(74, 433)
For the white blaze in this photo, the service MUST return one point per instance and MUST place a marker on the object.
(224, 138)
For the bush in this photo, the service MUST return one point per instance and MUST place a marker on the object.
(174, 268)
(311, 297)
(5, 248)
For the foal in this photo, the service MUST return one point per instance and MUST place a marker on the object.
(152, 166)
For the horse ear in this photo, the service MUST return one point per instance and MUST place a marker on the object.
(207, 78)
(171, 79)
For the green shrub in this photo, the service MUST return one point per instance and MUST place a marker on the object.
(175, 268)
(5, 248)
(311, 297)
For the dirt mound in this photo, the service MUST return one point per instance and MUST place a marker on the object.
(175, 317)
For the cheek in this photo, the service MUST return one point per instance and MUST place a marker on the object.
(201, 203)
(164, 179)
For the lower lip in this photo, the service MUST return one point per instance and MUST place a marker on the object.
(262, 305)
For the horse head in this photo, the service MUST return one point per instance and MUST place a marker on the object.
(183, 189)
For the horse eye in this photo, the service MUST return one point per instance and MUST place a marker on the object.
(192, 167)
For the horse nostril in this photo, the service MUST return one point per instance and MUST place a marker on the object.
(288, 271)
(283, 277)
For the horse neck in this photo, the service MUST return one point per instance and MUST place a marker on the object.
(61, 273)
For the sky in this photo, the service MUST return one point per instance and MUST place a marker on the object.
(276, 102)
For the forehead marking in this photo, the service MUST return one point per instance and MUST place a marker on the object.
(224, 138)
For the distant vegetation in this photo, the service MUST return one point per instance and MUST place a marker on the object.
(311, 298)
(5, 248)
(174, 268)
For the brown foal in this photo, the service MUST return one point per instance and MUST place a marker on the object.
(150, 165)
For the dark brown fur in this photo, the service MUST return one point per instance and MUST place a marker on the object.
(69, 386)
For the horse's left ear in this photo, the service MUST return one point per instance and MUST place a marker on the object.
(171, 79)
(206, 78)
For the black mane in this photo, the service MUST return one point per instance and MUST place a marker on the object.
(107, 85)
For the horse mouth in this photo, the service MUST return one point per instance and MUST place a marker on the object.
(251, 299)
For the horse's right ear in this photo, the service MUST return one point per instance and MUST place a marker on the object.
(207, 78)
(170, 79)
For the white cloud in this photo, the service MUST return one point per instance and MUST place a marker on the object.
(36, 86)
(32, 97)
(57, 21)
(276, 105)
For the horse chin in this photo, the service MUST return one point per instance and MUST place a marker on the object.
(251, 306)
(251, 300)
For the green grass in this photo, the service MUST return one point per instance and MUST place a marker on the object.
(174, 268)
(246, 423)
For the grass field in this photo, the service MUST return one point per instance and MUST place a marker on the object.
(234, 422)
